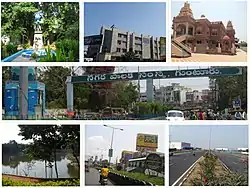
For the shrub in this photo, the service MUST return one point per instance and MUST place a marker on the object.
(9, 182)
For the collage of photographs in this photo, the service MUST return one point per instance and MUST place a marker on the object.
(106, 92)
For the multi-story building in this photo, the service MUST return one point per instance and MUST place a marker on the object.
(114, 43)
(202, 35)
(174, 94)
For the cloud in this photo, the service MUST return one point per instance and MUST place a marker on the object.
(96, 145)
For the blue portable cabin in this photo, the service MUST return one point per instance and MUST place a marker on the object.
(36, 93)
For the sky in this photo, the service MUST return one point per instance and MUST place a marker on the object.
(9, 131)
(222, 136)
(194, 83)
(141, 18)
(98, 136)
(220, 10)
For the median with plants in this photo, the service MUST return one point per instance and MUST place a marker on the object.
(209, 171)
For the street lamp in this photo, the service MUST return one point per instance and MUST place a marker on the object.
(111, 145)
(210, 132)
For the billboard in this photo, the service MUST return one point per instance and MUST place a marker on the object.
(93, 40)
(145, 149)
(147, 140)
(126, 155)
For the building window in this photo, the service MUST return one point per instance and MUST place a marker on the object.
(124, 50)
(214, 32)
(138, 38)
(119, 35)
(124, 42)
(118, 49)
(199, 42)
(119, 42)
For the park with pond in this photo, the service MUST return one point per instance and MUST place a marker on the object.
(39, 32)
(51, 156)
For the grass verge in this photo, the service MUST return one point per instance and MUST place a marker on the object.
(141, 176)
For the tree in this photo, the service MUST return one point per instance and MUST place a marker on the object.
(46, 141)
(130, 56)
(71, 139)
(230, 87)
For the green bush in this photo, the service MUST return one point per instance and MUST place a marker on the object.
(9, 182)
(8, 50)
(70, 48)
(143, 177)
(66, 51)
(150, 108)
(208, 171)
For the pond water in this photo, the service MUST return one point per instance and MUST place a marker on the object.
(17, 165)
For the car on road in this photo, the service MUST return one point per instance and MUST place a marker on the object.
(175, 115)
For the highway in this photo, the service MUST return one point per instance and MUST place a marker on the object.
(233, 161)
(179, 164)
(92, 178)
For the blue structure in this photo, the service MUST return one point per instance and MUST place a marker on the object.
(36, 93)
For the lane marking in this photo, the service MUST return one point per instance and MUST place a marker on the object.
(185, 172)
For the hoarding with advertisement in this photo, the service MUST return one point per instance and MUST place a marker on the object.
(147, 140)
(145, 149)
(126, 155)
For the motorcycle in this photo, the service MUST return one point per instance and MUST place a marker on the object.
(104, 180)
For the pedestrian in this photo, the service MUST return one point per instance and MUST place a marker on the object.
(238, 115)
(244, 115)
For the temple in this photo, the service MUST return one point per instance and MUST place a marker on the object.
(192, 35)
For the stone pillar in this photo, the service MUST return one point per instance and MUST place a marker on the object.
(150, 90)
(186, 28)
(233, 50)
(193, 31)
(219, 48)
(70, 95)
(23, 93)
(174, 31)
(194, 49)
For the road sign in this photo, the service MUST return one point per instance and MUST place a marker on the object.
(154, 162)
(167, 74)
(110, 152)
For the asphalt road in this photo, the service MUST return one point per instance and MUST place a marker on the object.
(179, 164)
(92, 178)
(233, 161)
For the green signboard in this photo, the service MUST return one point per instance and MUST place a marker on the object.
(166, 74)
